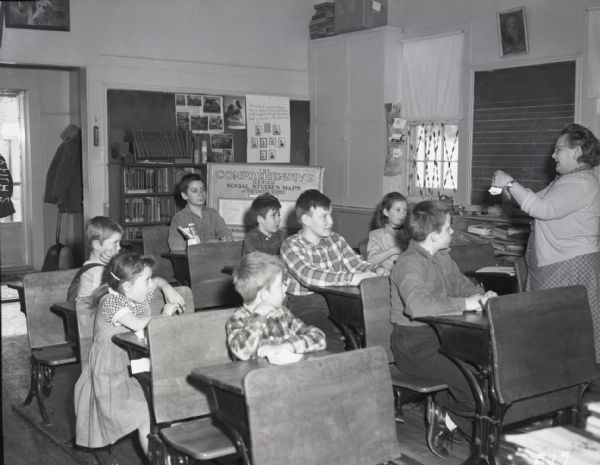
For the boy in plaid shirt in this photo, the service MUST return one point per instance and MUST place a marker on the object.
(263, 326)
(318, 256)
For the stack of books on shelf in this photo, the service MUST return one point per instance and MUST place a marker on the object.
(162, 145)
(322, 23)
(506, 239)
(149, 209)
(146, 180)
(550, 446)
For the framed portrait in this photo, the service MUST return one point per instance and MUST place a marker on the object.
(512, 30)
(51, 15)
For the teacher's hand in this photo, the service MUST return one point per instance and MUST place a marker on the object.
(501, 179)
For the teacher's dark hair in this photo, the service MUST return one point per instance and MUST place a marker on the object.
(580, 136)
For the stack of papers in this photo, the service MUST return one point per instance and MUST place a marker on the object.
(552, 446)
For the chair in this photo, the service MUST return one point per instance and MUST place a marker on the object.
(333, 409)
(155, 241)
(210, 286)
(182, 428)
(471, 257)
(376, 303)
(46, 332)
(543, 351)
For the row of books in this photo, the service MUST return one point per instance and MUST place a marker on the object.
(147, 180)
(132, 233)
(322, 23)
(163, 144)
(149, 209)
(153, 180)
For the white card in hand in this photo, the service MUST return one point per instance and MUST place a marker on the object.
(140, 365)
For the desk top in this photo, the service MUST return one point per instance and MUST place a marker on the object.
(344, 291)
(129, 340)
(475, 320)
(230, 376)
(64, 307)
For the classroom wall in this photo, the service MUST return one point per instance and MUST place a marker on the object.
(201, 46)
(209, 46)
(556, 29)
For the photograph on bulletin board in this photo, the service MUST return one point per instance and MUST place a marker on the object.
(268, 123)
(201, 114)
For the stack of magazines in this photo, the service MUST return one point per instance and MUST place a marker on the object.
(322, 23)
(550, 446)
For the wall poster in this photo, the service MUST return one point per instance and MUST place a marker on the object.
(233, 186)
(201, 114)
(268, 120)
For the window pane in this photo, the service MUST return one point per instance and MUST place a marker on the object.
(433, 159)
(10, 148)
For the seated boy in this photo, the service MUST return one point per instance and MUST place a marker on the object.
(104, 237)
(318, 256)
(426, 281)
(266, 236)
(263, 326)
(209, 225)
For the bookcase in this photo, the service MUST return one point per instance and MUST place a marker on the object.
(144, 194)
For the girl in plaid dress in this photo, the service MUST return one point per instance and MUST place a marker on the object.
(109, 403)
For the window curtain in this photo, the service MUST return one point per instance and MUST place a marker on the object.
(593, 54)
(431, 70)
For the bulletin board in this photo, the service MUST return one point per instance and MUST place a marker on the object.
(233, 186)
(130, 110)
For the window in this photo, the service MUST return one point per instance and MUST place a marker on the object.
(432, 159)
(10, 148)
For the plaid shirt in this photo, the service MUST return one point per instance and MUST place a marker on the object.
(248, 331)
(331, 262)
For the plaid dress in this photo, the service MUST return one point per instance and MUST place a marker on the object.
(581, 270)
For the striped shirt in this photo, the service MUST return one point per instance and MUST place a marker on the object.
(331, 262)
(248, 331)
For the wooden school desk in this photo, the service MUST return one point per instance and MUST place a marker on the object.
(225, 382)
(465, 340)
(345, 309)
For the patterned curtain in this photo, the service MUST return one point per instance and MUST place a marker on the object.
(432, 159)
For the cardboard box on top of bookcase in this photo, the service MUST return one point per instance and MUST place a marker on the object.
(354, 15)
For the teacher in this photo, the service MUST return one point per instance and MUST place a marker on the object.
(564, 246)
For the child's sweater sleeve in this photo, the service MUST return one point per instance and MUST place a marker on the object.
(245, 333)
(305, 338)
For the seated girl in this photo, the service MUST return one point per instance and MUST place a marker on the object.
(388, 241)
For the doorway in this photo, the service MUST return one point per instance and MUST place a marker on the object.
(49, 100)
(15, 247)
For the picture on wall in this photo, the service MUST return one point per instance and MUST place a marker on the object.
(52, 15)
(512, 28)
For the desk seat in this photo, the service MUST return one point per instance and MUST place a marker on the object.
(199, 439)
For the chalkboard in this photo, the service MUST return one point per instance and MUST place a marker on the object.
(154, 111)
(518, 114)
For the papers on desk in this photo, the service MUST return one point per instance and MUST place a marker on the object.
(507, 270)
(552, 446)
(283, 358)
(140, 365)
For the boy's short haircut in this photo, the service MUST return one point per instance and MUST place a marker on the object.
(100, 228)
(262, 204)
(256, 271)
(424, 218)
(311, 198)
(184, 182)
